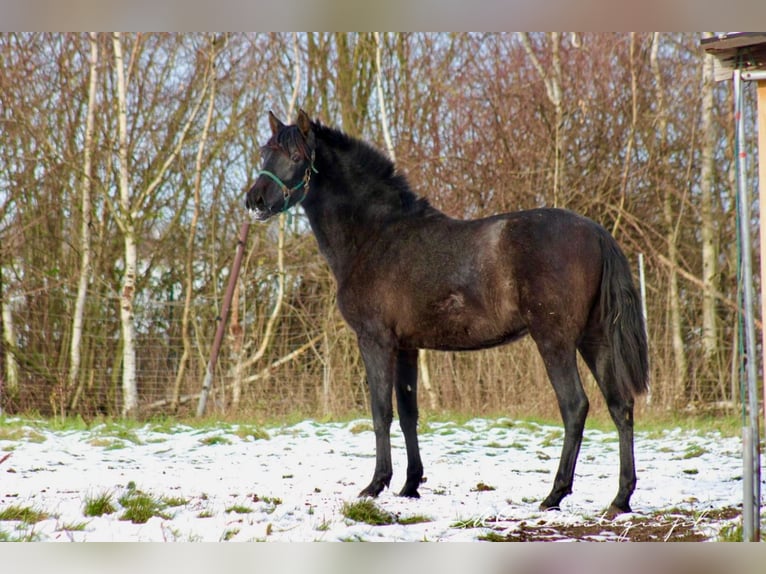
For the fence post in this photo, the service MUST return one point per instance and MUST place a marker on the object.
(207, 384)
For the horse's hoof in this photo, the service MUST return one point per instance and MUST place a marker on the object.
(614, 511)
(372, 491)
(409, 492)
(551, 503)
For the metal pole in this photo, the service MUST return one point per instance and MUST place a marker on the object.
(642, 286)
(751, 495)
(207, 384)
(761, 91)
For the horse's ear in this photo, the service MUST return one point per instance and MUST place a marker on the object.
(304, 123)
(274, 122)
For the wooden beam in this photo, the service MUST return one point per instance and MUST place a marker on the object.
(762, 213)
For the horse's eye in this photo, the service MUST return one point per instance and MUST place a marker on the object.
(296, 157)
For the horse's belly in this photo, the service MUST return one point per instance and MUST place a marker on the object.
(455, 324)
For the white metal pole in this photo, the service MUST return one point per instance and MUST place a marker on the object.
(642, 285)
(751, 494)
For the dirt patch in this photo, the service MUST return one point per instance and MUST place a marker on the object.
(673, 526)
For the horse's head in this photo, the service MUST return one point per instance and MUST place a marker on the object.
(288, 163)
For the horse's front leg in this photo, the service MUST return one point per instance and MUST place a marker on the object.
(407, 405)
(380, 366)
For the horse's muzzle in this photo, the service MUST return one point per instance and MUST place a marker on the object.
(256, 205)
(258, 215)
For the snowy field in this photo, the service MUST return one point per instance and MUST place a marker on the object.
(485, 479)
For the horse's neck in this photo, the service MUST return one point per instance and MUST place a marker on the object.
(339, 237)
(335, 242)
(342, 229)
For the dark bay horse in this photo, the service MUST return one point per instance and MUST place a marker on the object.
(409, 277)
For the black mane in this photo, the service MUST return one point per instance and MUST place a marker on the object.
(383, 182)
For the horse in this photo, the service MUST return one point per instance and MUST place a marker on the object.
(410, 277)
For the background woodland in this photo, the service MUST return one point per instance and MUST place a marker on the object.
(123, 164)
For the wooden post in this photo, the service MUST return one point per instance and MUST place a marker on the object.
(762, 208)
(207, 384)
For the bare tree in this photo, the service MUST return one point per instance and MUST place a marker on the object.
(213, 49)
(552, 79)
(474, 126)
(268, 333)
(127, 213)
(678, 382)
(75, 382)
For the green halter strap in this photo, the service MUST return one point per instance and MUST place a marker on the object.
(287, 191)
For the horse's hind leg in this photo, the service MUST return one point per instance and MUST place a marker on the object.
(561, 365)
(407, 405)
(597, 356)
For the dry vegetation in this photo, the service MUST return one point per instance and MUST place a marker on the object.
(614, 126)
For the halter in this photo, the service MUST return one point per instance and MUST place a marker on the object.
(288, 191)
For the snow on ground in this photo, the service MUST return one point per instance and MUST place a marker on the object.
(229, 483)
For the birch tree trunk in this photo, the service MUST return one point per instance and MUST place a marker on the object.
(678, 384)
(128, 211)
(9, 379)
(709, 247)
(127, 293)
(85, 232)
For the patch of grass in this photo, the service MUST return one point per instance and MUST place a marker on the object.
(693, 451)
(165, 425)
(22, 535)
(729, 425)
(503, 423)
(25, 514)
(368, 512)
(123, 434)
(99, 505)
(731, 533)
(492, 536)
(267, 499)
(482, 487)
(553, 438)
(139, 507)
(467, 523)
(239, 509)
(229, 534)
(361, 427)
(15, 434)
(101, 441)
(72, 527)
(414, 519)
(251, 432)
(354, 538)
(174, 501)
(215, 440)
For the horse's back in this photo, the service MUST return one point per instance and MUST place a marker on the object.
(556, 258)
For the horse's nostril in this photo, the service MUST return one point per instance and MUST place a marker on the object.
(254, 200)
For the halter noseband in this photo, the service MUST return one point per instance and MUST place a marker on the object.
(288, 191)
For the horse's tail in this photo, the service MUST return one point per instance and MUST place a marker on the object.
(623, 321)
